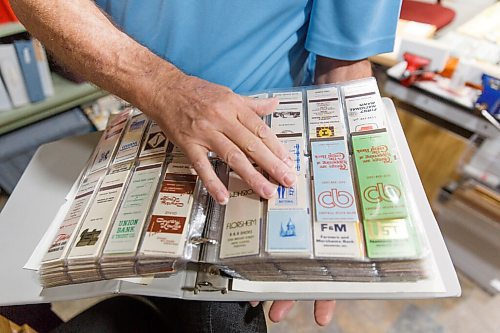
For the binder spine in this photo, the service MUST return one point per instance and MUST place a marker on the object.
(197, 223)
(210, 244)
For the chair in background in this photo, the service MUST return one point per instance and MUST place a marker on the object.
(424, 12)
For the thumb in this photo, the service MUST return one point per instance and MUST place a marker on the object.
(262, 106)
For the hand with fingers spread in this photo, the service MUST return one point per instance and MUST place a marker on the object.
(200, 116)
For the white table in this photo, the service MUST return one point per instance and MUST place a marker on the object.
(30, 209)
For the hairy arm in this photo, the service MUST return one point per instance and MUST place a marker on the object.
(90, 45)
(332, 70)
(197, 115)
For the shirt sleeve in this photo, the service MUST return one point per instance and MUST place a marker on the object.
(352, 29)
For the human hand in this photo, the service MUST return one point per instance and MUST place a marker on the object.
(323, 311)
(200, 116)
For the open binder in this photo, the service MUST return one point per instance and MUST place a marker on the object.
(139, 210)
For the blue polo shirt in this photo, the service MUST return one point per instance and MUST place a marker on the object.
(251, 45)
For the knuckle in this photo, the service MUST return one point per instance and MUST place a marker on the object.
(202, 125)
(282, 153)
(252, 146)
(277, 170)
(234, 156)
(218, 106)
(243, 115)
(216, 109)
(262, 131)
(254, 180)
(211, 184)
(224, 101)
(199, 164)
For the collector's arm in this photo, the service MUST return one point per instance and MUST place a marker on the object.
(197, 115)
(332, 70)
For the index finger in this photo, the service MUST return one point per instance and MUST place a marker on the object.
(260, 129)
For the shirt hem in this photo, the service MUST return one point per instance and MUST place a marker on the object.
(349, 52)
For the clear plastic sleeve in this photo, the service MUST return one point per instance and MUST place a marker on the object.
(349, 216)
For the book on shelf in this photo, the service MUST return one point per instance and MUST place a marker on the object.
(356, 224)
(43, 68)
(25, 72)
(12, 75)
(5, 103)
(29, 67)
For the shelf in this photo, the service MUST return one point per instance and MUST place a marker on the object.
(66, 96)
(7, 29)
(440, 107)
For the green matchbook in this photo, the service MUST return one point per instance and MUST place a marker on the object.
(379, 182)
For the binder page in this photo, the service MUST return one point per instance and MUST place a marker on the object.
(443, 283)
(356, 224)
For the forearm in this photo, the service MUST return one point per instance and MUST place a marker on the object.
(195, 114)
(332, 70)
(87, 43)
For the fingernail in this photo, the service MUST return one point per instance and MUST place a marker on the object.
(290, 178)
(269, 190)
(222, 198)
(254, 303)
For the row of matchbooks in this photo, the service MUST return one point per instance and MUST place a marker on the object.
(139, 208)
